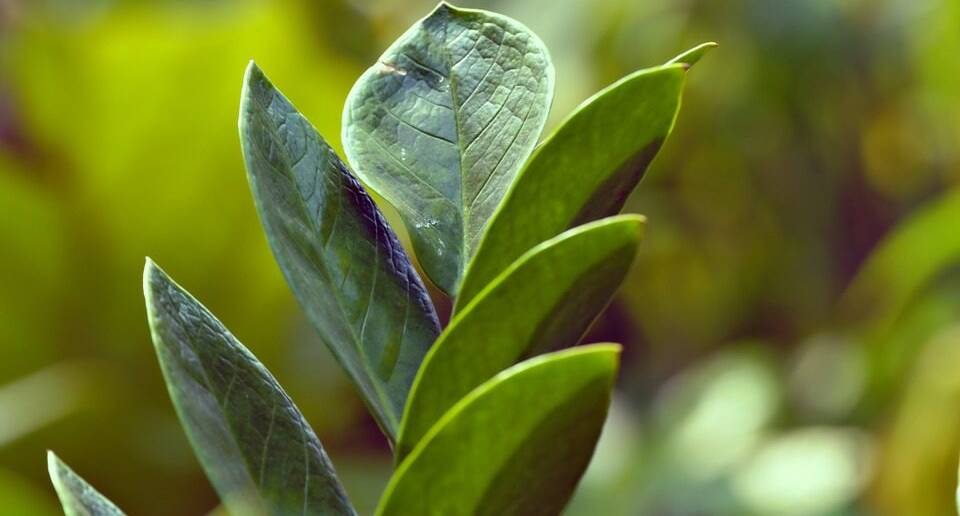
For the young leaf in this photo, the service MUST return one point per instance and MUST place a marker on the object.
(443, 121)
(583, 171)
(516, 445)
(547, 298)
(255, 446)
(77, 496)
(343, 262)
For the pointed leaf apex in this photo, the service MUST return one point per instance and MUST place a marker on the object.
(692, 56)
(444, 7)
(53, 462)
(252, 70)
(76, 495)
(153, 275)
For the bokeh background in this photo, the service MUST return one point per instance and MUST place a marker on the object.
(792, 325)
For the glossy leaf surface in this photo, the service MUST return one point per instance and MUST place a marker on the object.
(547, 299)
(343, 262)
(77, 496)
(254, 444)
(583, 171)
(443, 122)
(516, 445)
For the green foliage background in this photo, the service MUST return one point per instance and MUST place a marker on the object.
(755, 379)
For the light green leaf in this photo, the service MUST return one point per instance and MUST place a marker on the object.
(516, 445)
(583, 171)
(344, 264)
(253, 442)
(443, 121)
(77, 496)
(690, 57)
(546, 299)
(918, 250)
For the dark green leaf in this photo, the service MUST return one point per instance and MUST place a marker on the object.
(548, 298)
(77, 496)
(257, 449)
(583, 171)
(443, 121)
(516, 445)
(343, 262)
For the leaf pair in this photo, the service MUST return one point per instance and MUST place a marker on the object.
(443, 125)
(547, 299)
(263, 458)
(254, 444)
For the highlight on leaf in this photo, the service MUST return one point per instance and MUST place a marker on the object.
(583, 171)
(254, 444)
(441, 124)
(486, 416)
(339, 256)
(77, 497)
(516, 445)
(561, 286)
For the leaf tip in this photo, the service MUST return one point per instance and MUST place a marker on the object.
(152, 274)
(691, 57)
(57, 470)
(443, 9)
(53, 464)
(155, 282)
(252, 72)
(254, 82)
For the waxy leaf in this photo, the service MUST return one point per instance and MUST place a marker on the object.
(583, 171)
(443, 121)
(344, 264)
(254, 444)
(77, 497)
(516, 445)
(546, 299)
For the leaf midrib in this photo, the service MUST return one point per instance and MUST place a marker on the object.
(222, 404)
(460, 150)
(365, 361)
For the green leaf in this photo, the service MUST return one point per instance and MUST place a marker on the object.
(77, 496)
(516, 445)
(583, 171)
(907, 260)
(690, 57)
(547, 298)
(344, 264)
(442, 123)
(253, 442)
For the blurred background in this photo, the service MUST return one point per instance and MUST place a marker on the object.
(792, 325)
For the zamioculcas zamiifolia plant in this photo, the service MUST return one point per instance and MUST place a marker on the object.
(494, 414)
